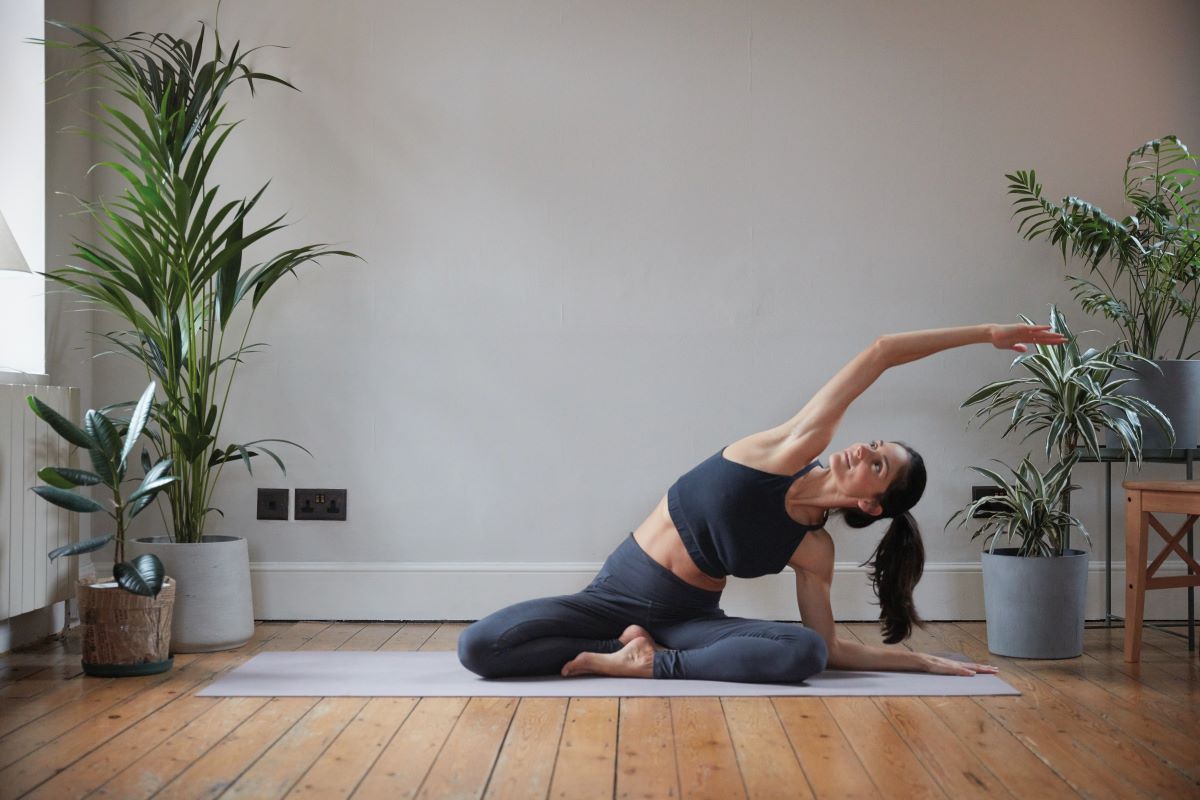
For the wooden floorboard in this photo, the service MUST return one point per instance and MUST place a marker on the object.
(1092, 726)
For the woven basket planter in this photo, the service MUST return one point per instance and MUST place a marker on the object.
(123, 633)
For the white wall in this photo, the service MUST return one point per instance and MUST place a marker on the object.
(604, 239)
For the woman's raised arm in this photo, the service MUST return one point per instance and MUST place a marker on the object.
(818, 420)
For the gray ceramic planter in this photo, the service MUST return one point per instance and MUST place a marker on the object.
(1176, 393)
(213, 608)
(1034, 605)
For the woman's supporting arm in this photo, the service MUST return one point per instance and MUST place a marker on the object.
(814, 576)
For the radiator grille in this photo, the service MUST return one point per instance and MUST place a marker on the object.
(29, 526)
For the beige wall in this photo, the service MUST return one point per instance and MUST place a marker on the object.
(604, 239)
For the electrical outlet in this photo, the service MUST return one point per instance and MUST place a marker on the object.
(272, 503)
(980, 492)
(320, 504)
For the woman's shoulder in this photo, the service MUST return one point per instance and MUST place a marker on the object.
(776, 450)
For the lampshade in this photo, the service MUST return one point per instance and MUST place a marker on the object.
(10, 255)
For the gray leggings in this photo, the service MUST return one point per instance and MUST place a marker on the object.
(537, 637)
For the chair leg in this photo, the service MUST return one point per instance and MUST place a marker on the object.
(1136, 530)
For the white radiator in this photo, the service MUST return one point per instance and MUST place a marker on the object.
(29, 526)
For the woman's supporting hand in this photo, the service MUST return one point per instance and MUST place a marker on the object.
(948, 666)
(1015, 337)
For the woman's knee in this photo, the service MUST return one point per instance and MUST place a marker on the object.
(477, 650)
(809, 655)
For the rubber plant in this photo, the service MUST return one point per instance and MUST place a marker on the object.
(109, 444)
(171, 261)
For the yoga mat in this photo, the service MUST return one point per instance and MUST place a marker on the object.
(439, 674)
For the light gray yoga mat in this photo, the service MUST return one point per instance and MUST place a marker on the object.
(393, 674)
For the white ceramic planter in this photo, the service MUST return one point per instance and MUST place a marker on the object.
(213, 607)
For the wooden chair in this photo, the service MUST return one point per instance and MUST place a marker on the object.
(1144, 499)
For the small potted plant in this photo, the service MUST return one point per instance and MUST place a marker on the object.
(1034, 593)
(1143, 271)
(126, 619)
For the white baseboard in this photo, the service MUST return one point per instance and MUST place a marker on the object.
(468, 591)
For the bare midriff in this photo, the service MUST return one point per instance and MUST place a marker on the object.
(659, 537)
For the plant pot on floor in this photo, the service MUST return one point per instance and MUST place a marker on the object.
(213, 608)
(124, 634)
(1035, 606)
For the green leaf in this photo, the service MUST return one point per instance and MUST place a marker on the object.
(65, 477)
(80, 547)
(67, 500)
(142, 576)
(61, 426)
(152, 487)
(104, 435)
(137, 422)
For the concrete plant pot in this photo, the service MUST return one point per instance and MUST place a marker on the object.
(213, 607)
(1035, 606)
(1175, 391)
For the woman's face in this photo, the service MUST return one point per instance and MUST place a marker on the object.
(866, 470)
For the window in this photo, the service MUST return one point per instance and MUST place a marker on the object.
(23, 189)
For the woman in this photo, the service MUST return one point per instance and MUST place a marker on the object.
(753, 508)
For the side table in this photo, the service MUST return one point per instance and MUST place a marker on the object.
(1109, 456)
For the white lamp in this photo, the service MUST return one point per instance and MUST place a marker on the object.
(11, 258)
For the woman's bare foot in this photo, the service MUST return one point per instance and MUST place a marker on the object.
(637, 631)
(634, 660)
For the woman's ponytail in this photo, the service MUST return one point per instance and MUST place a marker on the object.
(895, 567)
(899, 558)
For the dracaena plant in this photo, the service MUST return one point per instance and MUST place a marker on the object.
(109, 444)
(1073, 395)
(170, 260)
(1145, 268)
(1028, 509)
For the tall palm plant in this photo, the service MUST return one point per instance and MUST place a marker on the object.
(169, 262)
(1153, 253)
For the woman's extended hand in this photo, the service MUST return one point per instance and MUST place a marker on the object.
(1015, 337)
(948, 666)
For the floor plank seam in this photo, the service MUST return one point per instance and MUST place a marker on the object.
(557, 746)
(457, 718)
(795, 753)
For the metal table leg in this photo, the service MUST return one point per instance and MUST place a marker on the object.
(1191, 590)
(1108, 616)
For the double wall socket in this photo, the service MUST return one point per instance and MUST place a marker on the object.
(980, 492)
(320, 504)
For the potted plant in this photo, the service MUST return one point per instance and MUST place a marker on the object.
(1143, 271)
(127, 619)
(1034, 593)
(169, 264)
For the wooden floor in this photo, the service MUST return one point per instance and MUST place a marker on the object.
(1092, 727)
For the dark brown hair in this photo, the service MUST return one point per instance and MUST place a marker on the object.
(899, 558)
